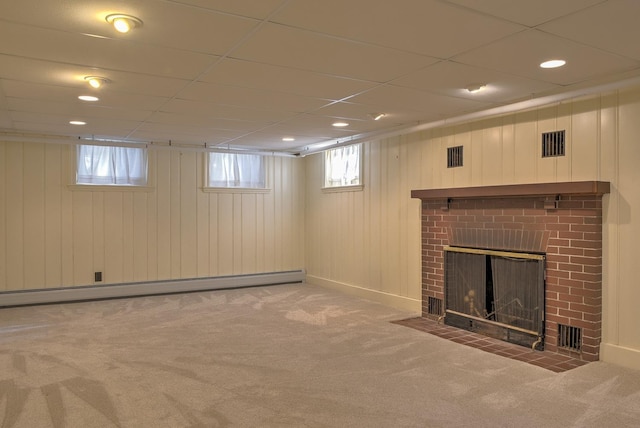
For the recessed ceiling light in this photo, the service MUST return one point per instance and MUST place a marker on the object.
(475, 87)
(340, 124)
(288, 139)
(553, 63)
(88, 98)
(96, 81)
(77, 122)
(123, 23)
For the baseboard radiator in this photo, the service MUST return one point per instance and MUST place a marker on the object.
(111, 291)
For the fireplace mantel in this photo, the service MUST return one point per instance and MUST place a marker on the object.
(597, 188)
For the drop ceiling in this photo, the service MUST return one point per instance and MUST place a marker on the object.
(247, 73)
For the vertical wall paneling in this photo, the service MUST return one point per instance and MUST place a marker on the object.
(114, 235)
(152, 222)
(175, 209)
(202, 219)
(547, 122)
(225, 234)
(188, 218)
(163, 231)
(236, 227)
(584, 138)
(248, 212)
(15, 216)
(214, 235)
(82, 238)
(98, 237)
(608, 156)
(34, 245)
(526, 147)
(128, 239)
(260, 226)
(140, 237)
(565, 163)
(491, 152)
(508, 168)
(66, 220)
(629, 219)
(3, 217)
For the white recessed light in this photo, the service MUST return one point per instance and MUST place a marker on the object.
(340, 124)
(288, 139)
(123, 23)
(88, 98)
(96, 81)
(553, 63)
(476, 87)
(77, 122)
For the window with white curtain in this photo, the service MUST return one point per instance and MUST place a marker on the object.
(236, 170)
(108, 166)
(342, 166)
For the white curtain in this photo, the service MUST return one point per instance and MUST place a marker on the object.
(236, 170)
(104, 165)
(342, 166)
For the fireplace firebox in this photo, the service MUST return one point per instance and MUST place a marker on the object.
(497, 293)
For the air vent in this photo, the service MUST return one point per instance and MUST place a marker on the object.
(553, 144)
(454, 156)
(569, 337)
(434, 306)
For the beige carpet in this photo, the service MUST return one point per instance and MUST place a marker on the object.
(282, 356)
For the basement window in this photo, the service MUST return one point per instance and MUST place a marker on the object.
(111, 166)
(235, 171)
(343, 168)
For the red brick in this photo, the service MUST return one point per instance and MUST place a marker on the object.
(571, 235)
(590, 261)
(558, 226)
(570, 314)
(570, 267)
(574, 298)
(590, 228)
(588, 277)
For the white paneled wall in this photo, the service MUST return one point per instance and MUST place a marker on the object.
(368, 242)
(52, 236)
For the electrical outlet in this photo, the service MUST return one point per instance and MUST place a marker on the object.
(97, 276)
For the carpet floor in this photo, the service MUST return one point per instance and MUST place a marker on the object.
(282, 356)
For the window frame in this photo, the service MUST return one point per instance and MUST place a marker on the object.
(206, 187)
(347, 187)
(72, 167)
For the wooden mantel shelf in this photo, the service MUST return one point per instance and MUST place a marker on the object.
(516, 190)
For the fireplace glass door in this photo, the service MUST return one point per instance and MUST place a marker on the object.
(497, 293)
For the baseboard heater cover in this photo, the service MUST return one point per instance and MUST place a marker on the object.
(110, 291)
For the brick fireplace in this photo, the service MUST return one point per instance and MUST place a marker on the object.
(562, 221)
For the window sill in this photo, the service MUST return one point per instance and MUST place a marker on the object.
(108, 188)
(235, 190)
(354, 188)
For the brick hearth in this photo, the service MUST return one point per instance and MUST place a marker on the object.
(561, 220)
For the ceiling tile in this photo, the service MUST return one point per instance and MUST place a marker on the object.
(522, 53)
(451, 78)
(289, 47)
(58, 46)
(212, 110)
(530, 13)
(61, 74)
(603, 26)
(205, 122)
(163, 22)
(247, 97)
(250, 8)
(289, 80)
(420, 26)
(395, 97)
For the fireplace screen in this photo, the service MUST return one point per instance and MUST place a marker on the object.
(497, 293)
